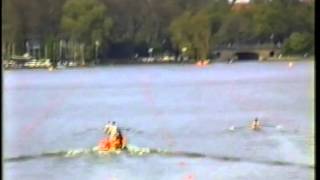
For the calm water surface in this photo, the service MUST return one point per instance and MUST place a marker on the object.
(171, 107)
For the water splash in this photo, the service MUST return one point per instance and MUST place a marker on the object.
(140, 151)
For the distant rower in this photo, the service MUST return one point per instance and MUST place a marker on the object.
(255, 125)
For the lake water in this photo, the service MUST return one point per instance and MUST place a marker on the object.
(170, 107)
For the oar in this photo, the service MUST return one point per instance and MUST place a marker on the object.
(233, 128)
(278, 127)
(87, 130)
(101, 129)
(131, 130)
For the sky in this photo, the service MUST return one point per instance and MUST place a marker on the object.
(241, 1)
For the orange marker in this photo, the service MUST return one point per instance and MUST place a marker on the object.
(290, 64)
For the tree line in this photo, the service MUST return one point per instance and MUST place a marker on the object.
(123, 29)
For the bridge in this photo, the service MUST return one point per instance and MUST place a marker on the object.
(246, 53)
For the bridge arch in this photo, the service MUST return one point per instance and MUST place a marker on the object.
(242, 56)
(246, 54)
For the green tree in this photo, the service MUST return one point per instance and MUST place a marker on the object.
(23, 20)
(192, 32)
(269, 19)
(52, 46)
(302, 17)
(281, 18)
(198, 25)
(299, 43)
(85, 22)
(12, 28)
(218, 11)
(142, 22)
(237, 27)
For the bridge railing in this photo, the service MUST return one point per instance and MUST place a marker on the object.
(247, 47)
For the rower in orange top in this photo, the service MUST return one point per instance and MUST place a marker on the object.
(115, 139)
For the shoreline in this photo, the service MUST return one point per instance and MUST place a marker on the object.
(292, 58)
(271, 60)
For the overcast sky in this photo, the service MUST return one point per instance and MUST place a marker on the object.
(240, 1)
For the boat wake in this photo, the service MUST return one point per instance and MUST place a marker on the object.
(139, 151)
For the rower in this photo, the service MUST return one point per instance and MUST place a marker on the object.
(255, 125)
(107, 127)
(115, 140)
(111, 129)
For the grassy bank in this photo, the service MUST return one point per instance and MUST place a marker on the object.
(292, 58)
